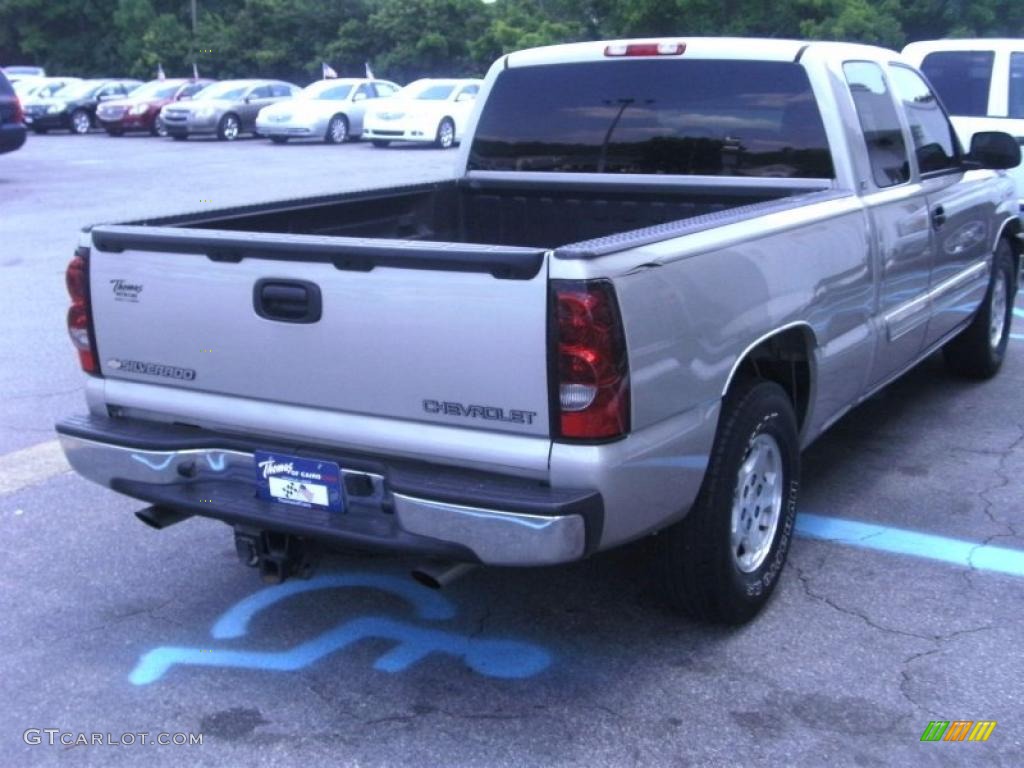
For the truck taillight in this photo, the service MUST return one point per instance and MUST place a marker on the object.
(80, 312)
(645, 49)
(589, 368)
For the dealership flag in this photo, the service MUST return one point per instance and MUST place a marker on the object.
(369, 72)
(160, 71)
(329, 71)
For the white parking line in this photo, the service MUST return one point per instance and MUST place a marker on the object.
(32, 465)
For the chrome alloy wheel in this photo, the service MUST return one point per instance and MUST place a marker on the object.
(997, 310)
(230, 128)
(338, 130)
(80, 122)
(446, 134)
(757, 503)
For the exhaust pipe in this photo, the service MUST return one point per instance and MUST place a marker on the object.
(161, 517)
(438, 575)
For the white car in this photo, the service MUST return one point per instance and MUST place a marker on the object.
(41, 87)
(331, 110)
(981, 83)
(429, 111)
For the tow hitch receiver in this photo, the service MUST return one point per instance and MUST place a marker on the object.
(277, 555)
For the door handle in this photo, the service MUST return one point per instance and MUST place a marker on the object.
(287, 301)
(938, 216)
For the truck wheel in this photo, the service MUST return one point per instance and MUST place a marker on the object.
(722, 561)
(978, 351)
(445, 138)
(228, 128)
(337, 130)
(81, 123)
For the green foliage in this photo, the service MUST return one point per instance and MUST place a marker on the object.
(405, 39)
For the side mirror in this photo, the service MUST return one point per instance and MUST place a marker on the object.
(465, 97)
(994, 150)
(184, 97)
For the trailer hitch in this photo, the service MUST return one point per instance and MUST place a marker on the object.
(278, 556)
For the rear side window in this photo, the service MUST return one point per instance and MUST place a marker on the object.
(879, 123)
(934, 142)
(1016, 103)
(962, 79)
(708, 117)
(6, 89)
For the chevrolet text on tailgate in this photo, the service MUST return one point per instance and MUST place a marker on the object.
(664, 269)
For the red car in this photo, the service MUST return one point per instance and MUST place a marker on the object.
(141, 110)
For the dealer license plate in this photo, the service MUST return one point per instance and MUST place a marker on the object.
(308, 483)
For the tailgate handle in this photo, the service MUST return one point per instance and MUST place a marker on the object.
(287, 301)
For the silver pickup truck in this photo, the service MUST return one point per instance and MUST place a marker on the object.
(665, 268)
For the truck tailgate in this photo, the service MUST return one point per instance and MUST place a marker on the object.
(432, 332)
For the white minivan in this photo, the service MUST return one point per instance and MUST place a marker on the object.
(981, 83)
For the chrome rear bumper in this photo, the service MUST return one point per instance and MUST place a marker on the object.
(386, 508)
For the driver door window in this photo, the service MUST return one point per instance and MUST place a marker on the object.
(934, 141)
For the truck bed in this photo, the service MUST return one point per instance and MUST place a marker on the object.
(521, 215)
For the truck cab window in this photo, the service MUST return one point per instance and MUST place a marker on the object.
(691, 117)
(887, 151)
(1016, 95)
(934, 141)
(962, 79)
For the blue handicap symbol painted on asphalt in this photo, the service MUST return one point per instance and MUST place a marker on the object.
(486, 656)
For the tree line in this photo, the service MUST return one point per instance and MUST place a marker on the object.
(405, 39)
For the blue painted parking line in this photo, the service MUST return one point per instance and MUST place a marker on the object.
(904, 542)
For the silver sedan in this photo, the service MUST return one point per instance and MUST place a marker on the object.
(225, 109)
(328, 110)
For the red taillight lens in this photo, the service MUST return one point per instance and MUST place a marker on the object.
(80, 312)
(645, 49)
(19, 113)
(591, 369)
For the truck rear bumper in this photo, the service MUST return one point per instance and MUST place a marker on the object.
(400, 506)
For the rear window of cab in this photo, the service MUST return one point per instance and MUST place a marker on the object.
(695, 117)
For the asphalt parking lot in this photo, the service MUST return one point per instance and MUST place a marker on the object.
(110, 627)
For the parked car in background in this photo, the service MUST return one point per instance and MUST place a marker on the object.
(226, 109)
(41, 87)
(12, 129)
(329, 110)
(981, 84)
(17, 72)
(429, 111)
(73, 108)
(140, 111)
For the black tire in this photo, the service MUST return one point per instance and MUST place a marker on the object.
(80, 122)
(158, 128)
(380, 143)
(179, 136)
(279, 139)
(976, 352)
(337, 130)
(699, 570)
(225, 131)
(445, 137)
